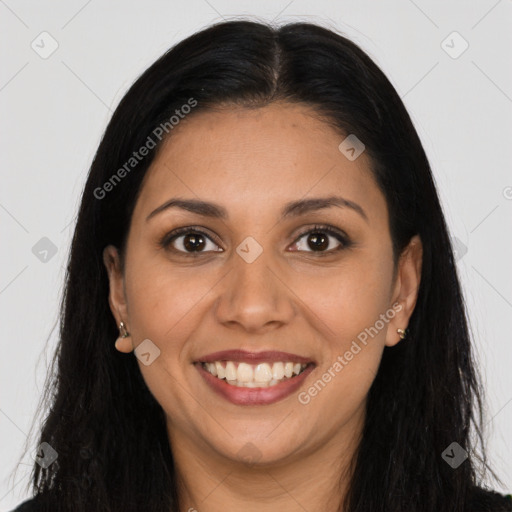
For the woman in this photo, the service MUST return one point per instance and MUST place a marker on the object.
(261, 230)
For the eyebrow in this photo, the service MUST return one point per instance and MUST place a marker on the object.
(291, 209)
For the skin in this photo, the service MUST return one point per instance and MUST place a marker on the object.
(252, 162)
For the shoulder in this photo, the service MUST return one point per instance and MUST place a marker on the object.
(484, 500)
(31, 505)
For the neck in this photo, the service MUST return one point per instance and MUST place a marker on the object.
(316, 480)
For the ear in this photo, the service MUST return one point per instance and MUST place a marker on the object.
(117, 295)
(405, 290)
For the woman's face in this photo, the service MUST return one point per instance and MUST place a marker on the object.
(261, 278)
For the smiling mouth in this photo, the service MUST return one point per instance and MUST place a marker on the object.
(262, 375)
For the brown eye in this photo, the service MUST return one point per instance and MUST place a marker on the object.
(321, 240)
(318, 241)
(189, 241)
(194, 242)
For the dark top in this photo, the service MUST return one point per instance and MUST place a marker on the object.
(483, 501)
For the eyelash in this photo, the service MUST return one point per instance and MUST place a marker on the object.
(166, 241)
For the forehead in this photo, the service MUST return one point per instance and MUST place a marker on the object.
(257, 157)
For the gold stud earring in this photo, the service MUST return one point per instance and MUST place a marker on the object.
(402, 332)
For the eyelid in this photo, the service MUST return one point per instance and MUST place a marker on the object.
(322, 227)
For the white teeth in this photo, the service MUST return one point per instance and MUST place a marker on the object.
(263, 373)
(254, 376)
(245, 372)
(278, 371)
(230, 371)
(221, 372)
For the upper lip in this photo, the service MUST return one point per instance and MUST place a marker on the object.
(253, 357)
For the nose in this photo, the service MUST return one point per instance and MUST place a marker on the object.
(254, 297)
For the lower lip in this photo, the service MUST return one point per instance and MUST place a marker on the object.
(254, 396)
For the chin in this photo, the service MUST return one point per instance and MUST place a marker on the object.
(258, 450)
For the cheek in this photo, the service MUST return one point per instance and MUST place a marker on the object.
(339, 391)
(162, 301)
(165, 306)
(351, 308)
(350, 299)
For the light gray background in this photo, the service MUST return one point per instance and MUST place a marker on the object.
(54, 110)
